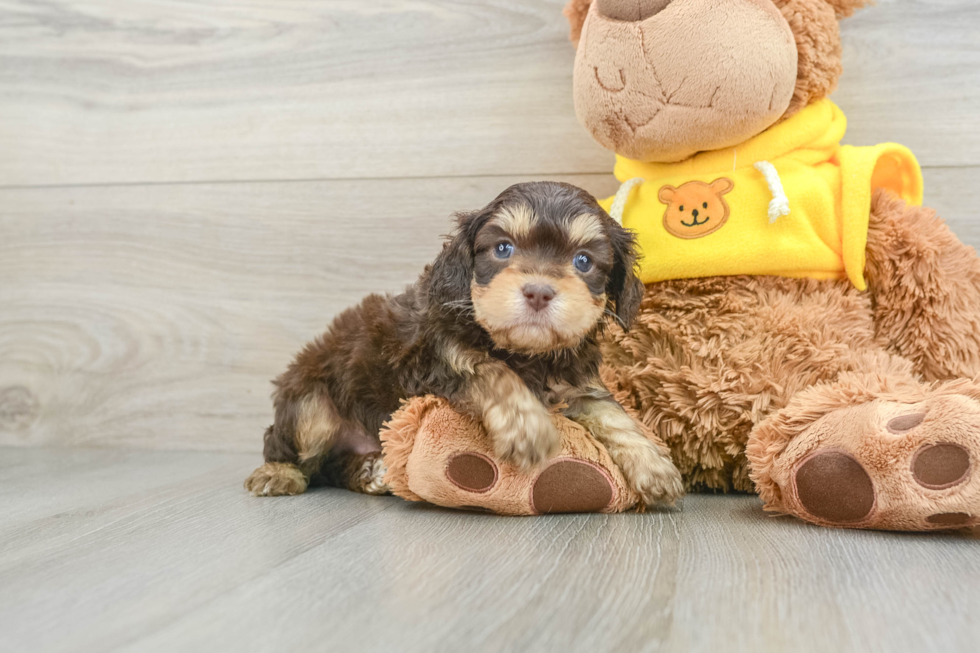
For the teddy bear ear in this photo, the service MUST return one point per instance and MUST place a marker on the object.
(575, 11)
(722, 185)
(666, 194)
(844, 8)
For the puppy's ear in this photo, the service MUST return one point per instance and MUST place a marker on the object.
(624, 287)
(452, 271)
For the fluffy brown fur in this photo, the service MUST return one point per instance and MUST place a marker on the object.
(504, 324)
(710, 359)
(815, 28)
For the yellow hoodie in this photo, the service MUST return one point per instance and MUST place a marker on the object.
(724, 212)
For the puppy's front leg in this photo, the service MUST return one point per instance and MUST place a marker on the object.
(647, 468)
(516, 420)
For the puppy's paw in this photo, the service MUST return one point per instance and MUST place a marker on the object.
(369, 475)
(650, 473)
(276, 479)
(522, 433)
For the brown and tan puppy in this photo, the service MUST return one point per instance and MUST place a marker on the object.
(503, 324)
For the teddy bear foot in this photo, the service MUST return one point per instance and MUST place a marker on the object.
(884, 465)
(437, 455)
(564, 484)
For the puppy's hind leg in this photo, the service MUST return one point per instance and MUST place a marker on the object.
(295, 445)
(355, 461)
(359, 472)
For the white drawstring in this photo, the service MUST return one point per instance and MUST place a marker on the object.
(779, 205)
(623, 194)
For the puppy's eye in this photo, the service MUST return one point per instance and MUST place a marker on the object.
(582, 262)
(705, 205)
(682, 208)
(503, 250)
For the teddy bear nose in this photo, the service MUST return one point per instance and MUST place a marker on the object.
(631, 9)
(538, 296)
(694, 213)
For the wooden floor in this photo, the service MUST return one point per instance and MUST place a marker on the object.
(162, 551)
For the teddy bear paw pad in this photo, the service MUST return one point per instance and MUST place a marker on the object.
(939, 466)
(950, 519)
(832, 485)
(570, 485)
(472, 472)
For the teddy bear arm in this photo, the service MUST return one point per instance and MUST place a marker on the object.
(925, 289)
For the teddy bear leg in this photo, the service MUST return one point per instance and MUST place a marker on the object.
(436, 454)
(873, 449)
(925, 286)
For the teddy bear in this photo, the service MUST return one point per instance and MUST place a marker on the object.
(809, 332)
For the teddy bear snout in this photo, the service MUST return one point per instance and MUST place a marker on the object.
(631, 10)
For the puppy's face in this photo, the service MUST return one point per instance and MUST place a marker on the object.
(539, 281)
(546, 264)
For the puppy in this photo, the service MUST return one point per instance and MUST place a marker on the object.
(504, 324)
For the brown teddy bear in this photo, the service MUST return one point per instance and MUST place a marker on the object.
(809, 332)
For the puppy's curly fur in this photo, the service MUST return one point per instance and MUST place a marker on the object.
(504, 324)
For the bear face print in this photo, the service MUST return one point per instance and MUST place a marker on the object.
(696, 209)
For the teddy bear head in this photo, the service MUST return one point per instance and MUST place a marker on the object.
(660, 80)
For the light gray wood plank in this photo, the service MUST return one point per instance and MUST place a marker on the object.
(97, 477)
(155, 316)
(750, 582)
(955, 195)
(159, 314)
(912, 76)
(189, 562)
(103, 91)
(107, 91)
(83, 576)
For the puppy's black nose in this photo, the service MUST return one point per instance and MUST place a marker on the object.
(695, 213)
(537, 297)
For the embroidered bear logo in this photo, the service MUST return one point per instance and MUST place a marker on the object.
(696, 209)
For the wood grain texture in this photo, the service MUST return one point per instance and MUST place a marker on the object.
(955, 195)
(109, 551)
(102, 91)
(912, 76)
